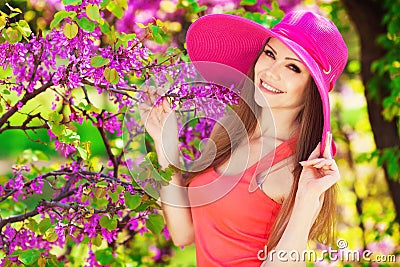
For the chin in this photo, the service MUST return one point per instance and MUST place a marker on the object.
(260, 99)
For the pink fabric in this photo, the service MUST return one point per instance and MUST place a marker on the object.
(231, 230)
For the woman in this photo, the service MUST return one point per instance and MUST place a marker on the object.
(287, 146)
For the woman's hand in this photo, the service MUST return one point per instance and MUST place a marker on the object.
(318, 174)
(161, 123)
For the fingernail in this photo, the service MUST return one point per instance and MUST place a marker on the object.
(301, 162)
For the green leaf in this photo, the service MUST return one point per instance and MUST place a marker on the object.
(72, 2)
(51, 235)
(70, 137)
(149, 189)
(60, 15)
(55, 116)
(115, 9)
(111, 75)
(105, 256)
(109, 224)
(52, 261)
(44, 225)
(13, 15)
(114, 195)
(122, 3)
(29, 257)
(104, 3)
(92, 11)
(32, 225)
(86, 24)
(2, 22)
(167, 173)
(105, 27)
(132, 201)
(142, 176)
(169, 78)
(42, 261)
(99, 61)
(97, 240)
(16, 252)
(197, 8)
(124, 38)
(58, 129)
(276, 11)
(141, 25)
(152, 156)
(13, 9)
(155, 223)
(83, 153)
(24, 28)
(100, 192)
(102, 184)
(12, 35)
(248, 2)
(70, 30)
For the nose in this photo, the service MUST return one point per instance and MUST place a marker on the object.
(272, 71)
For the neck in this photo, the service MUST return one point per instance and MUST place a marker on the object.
(278, 123)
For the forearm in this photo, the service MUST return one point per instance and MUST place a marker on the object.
(175, 203)
(295, 236)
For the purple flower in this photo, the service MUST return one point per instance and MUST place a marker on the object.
(110, 236)
(64, 149)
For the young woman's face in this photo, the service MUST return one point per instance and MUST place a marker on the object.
(279, 77)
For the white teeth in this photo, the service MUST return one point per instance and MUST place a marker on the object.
(270, 88)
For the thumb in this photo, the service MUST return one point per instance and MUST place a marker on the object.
(316, 152)
(166, 105)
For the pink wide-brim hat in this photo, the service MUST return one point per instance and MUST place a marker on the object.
(235, 41)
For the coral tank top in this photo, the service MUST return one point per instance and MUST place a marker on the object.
(231, 222)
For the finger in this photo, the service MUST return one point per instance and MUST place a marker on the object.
(327, 181)
(328, 146)
(161, 91)
(315, 152)
(166, 105)
(324, 162)
(327, 164)
(152, 90)
(153, 98)
(311, 162)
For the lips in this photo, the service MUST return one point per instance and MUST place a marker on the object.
(269, 88)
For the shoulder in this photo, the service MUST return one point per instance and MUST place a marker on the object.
(277, 182)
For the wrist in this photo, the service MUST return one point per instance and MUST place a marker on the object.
(167, 155)
(307, 203)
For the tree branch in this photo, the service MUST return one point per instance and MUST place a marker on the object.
(24, 100)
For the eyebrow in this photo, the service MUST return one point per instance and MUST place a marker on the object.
(289, 58)
(273, 50)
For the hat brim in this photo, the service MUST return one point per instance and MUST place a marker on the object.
(235, 41)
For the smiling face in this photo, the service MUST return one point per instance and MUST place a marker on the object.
(280, 77)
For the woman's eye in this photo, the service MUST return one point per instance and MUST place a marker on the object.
(294, 68)
(269, 53)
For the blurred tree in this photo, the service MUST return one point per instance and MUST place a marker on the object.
(378, 20)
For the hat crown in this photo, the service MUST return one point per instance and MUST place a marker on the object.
(319, 37)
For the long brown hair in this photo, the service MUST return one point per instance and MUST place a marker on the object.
(310, 120)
